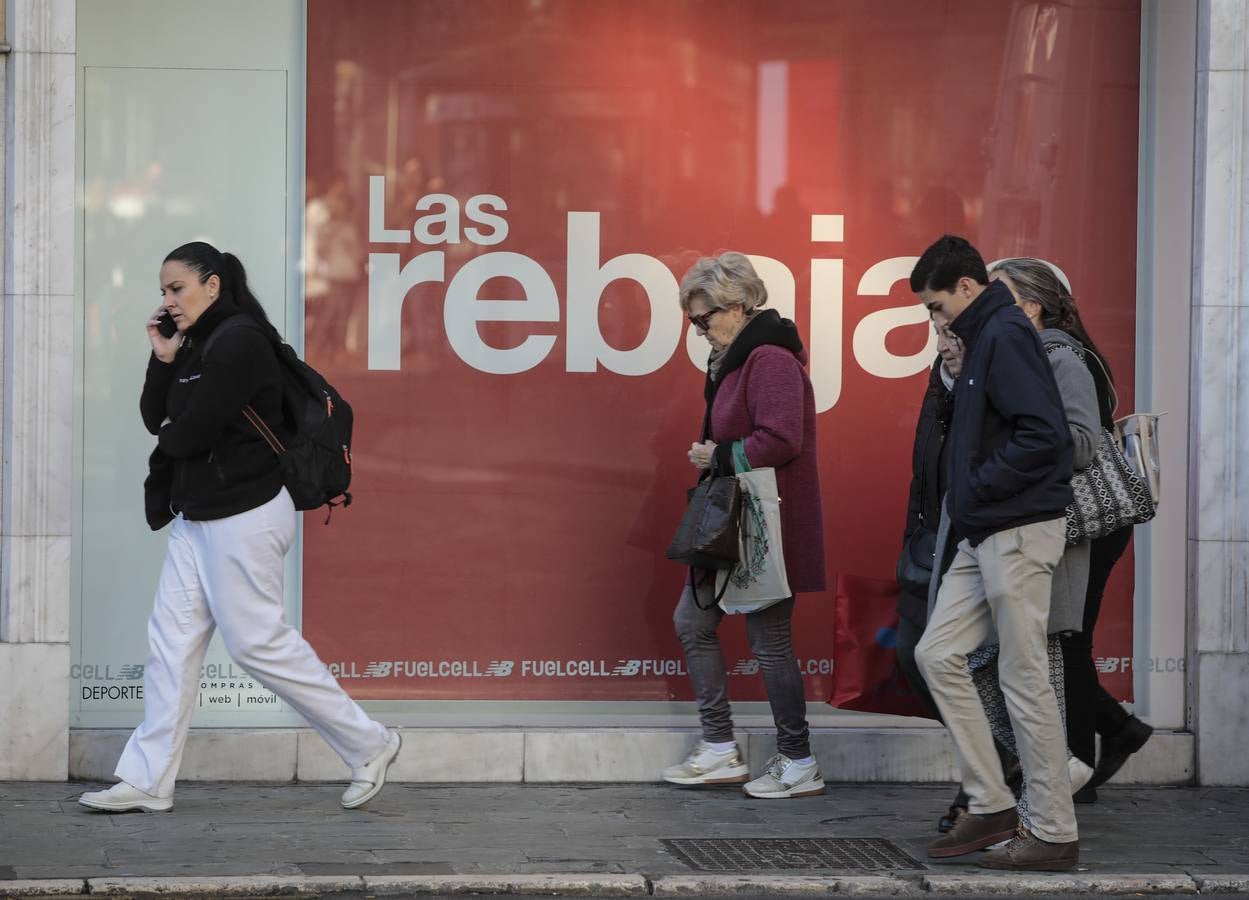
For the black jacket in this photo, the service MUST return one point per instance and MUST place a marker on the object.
(1009, 459)
(928, 474)
(210, 462)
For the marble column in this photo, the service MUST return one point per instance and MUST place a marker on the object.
(38, 374)
(1219, 503)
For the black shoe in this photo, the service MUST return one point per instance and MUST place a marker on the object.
(1086, 794)
(1116, 749)
(957, 808)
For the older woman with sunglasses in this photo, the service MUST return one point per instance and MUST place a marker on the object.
(758, 392)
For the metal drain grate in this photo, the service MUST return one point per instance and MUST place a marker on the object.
(748, 854)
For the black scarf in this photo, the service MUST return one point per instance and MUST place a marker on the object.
(761, 329)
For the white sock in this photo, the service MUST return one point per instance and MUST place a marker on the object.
(721, 747)
(805, 761)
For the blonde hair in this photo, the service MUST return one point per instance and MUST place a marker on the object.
(725, 280)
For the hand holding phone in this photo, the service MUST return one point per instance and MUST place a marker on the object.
(163, 332)
(166, 325)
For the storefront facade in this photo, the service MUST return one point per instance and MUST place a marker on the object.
(472, 218)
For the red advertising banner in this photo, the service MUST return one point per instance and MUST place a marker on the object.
(502, 197)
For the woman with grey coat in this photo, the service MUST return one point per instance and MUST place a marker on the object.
(1041, 295)
(1090, 709)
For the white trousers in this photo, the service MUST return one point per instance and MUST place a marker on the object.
(1003, 583)
(227, 574)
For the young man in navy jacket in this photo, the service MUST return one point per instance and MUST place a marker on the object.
(1009, 485)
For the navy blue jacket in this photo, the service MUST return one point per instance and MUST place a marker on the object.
(1009, 454)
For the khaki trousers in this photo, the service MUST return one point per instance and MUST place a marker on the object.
(1004, 583)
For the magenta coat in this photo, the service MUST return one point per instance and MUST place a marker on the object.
(770, 403)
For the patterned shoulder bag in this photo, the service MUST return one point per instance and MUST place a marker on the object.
(1109, 494)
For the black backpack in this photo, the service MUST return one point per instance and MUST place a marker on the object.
(316, 459)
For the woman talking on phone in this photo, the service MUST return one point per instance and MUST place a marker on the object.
(220, 483)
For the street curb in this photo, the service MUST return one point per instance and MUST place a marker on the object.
(793, 885)
(234, 885)
(45, 887)
(1223, 884)
(593, 885)
(1023, 884)
(600, 885)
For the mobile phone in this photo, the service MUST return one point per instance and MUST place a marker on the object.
(166, 325)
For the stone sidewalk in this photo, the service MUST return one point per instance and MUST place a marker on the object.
(591, 839)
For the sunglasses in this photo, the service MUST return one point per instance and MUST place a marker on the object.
(703, 322)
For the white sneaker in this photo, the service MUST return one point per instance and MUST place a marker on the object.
(1079, 771)
(123, 797)
(706, 766)
(368, 779)
(784, 777)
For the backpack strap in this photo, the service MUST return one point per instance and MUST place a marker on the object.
(263, 429)
(238, 320)
(243, 320)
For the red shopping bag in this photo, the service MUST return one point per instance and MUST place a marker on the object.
(866, 674)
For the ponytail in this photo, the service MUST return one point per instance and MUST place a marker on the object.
(1068, 319)
(234, 279)
(206, 260)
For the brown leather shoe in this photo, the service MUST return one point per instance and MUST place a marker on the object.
(974, 831)
(1026, 851)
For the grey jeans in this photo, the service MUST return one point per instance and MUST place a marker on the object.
(769, 634)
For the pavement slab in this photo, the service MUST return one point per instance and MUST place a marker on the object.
(583, 840)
